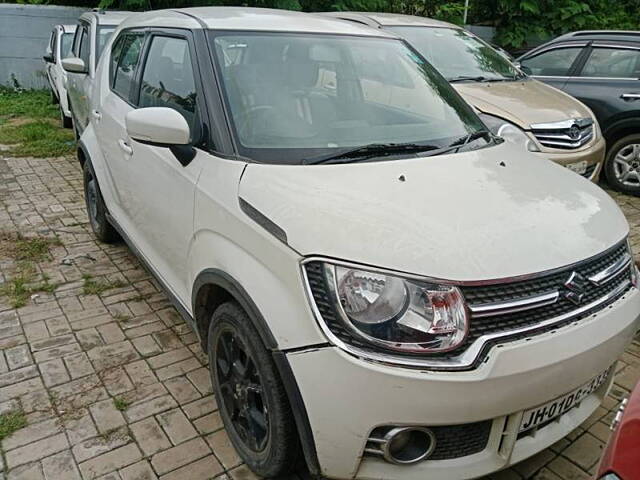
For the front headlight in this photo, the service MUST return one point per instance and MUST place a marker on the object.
(508, 131)
(396, 313)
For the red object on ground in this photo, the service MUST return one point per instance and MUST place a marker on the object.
(622, 455)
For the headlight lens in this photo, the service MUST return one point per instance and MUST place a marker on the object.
(508, 131)
(396, 313)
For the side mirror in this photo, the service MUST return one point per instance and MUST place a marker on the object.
(74, 65)
(161, 127)
(48, 58)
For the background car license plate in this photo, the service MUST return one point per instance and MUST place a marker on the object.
(578, 167)
(536, 416)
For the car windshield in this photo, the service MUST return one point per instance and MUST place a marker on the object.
(65, 45)
(104, 33)
(294, 97)
(458, 55)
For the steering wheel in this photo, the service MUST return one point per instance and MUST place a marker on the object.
(245, 117)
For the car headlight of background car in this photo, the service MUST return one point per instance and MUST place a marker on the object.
(508, 131)
(397, 313)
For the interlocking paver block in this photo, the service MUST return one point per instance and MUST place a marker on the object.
(179, 456)
(138, 471)
(150, 436)
(176, 426)
(106, 416)
(60, 466)
(36, 450)
(113, 460)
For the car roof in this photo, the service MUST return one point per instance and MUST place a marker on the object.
(250, 19)
(380, 20)
(68, 28)
(611, 35)
(105, 17)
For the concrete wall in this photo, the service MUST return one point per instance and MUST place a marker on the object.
(24, 35)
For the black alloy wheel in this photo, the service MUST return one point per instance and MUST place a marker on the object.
(253, 402)
(96, 209)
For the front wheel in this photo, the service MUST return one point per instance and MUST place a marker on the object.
(96, 209)
(252, 399)
(622, 166)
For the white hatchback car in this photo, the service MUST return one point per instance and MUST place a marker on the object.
(381, 285)
(59, 47)
(92, 33)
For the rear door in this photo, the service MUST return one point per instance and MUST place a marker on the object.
(608, 81)
(555, 64)
(78, 83)
(52, 50)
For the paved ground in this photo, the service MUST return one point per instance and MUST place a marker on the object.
(111, 381)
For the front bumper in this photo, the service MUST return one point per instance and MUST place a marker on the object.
(593, 155)
(346, 397)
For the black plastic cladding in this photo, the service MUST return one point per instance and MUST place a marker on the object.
(492, 293)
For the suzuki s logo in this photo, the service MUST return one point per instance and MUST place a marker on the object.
(575, 288)
(574, 132)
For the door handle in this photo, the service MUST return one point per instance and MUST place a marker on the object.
(630, 96)
(124, 146)
(96, 115)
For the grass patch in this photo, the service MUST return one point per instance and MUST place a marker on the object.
(122, 317)
(27, 103)
(22, 286)
(37, 138)
(97, 287)
(11, 422)
(26, 249)
(29, 122)
(121, 403)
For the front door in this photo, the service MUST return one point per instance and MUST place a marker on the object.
(156, 193)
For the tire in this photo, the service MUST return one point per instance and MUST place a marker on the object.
(96, 209)
(624, 158)
(65, 121)
(274, 450)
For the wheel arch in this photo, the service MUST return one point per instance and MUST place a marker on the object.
(213, 287)
(620, 128)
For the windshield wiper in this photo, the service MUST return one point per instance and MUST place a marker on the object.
(468, 78)
(370, 150)
(462, 141)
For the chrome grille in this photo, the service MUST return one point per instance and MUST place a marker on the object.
(567, 135)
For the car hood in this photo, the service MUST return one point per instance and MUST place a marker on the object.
(523, 103)
(488, 214)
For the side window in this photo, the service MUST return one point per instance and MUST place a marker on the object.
(85, 49)
(127, 61)
(54, 42)
(76, 41)
(116, 50)
(552, 63)
(612, 63)
(168, 79)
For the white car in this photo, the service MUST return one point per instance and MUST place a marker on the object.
(379, 282)
(58, 48)
(92, 33)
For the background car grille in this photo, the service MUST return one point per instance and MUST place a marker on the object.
(486, 294)
(568, 138)
(452, 441)
(589, 171)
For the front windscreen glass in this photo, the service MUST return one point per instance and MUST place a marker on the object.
(104, 33)
(458, 55)
(292, 97)
(65, 45)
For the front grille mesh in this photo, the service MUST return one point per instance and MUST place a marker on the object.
(589, 171)
(475, 295)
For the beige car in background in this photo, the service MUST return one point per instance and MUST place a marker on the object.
(545, 120)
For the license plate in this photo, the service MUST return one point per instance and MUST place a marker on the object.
(578, 167)
(553, 409)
